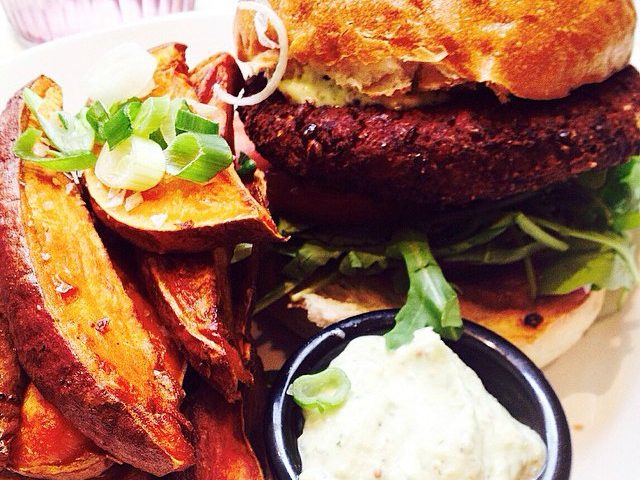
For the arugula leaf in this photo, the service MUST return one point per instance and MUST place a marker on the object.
(608, 239)
(621, 193)
(309, 257)
(431, 300)
(481, 238)
(603, 270)
(357, 262)
(495, 255)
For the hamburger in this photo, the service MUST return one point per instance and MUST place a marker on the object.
(455, 159)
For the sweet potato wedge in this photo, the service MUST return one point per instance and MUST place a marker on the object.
(124, 472)
(48, 446)
(222, 449)
(182, 216)
(192, 295)
(74, 327)
(10, 392)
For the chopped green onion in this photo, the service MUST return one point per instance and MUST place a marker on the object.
(63, 120)
(246, 166)
(198, 157)
(151, 115)
(135, 164)
(158, 138)
(97, 116)
(24, 145)
(323, 391)
(118, 128)
(192, 122)
(69, 134)
(168, 126)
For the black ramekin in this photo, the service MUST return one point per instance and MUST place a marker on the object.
(505, 371)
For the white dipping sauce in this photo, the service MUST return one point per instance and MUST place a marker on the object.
(416, 413)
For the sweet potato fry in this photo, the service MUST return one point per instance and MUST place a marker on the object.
(192, 296)
(74, 327)
(10, 392)
(48, 446)
(182, 216)
(222, 449)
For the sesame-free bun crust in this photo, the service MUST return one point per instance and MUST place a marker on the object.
(562, 320)
(539, 49)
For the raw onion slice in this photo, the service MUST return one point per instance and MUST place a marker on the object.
(122, 73)
(281, 66)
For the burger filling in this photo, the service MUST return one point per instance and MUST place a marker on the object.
(544, 204)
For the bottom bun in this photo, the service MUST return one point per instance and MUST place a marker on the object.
(543, 329)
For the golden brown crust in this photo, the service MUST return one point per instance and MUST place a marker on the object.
(536, 50)
(48, 446)
(78, 337)
(10, 392)
(192, 295)
(222, 449)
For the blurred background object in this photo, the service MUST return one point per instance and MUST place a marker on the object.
(39, 21)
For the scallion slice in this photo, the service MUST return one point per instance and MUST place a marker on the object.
(135, 164)
(118, 128)
(151, 115)
(24, 149)
(69, 134)
(246, 166)
(97, 116)
(192, 122)
(168, 126)
(323, 391)
(198, 157)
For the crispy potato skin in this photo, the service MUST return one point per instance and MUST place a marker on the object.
(48, 446)
(192, 295)
(222, 449)
(10, 392)
(113, 398)
(196, 218)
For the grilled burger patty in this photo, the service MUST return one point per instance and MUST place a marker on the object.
(470, 148)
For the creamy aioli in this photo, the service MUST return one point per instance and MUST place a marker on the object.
(308, 85)
(416, 413)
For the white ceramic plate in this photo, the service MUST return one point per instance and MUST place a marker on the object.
(598, 381)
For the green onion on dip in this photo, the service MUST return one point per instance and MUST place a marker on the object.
(414, 412)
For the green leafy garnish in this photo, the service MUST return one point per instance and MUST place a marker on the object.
(119, 127)
(431, 301)
(322, 391)
(97, 116)
(24, 148)
(198, 157)
(246, 166)
(566, 237)
(68, 134)
(188, 121)
(152, 112)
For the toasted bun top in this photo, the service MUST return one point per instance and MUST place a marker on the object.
(535, 49)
